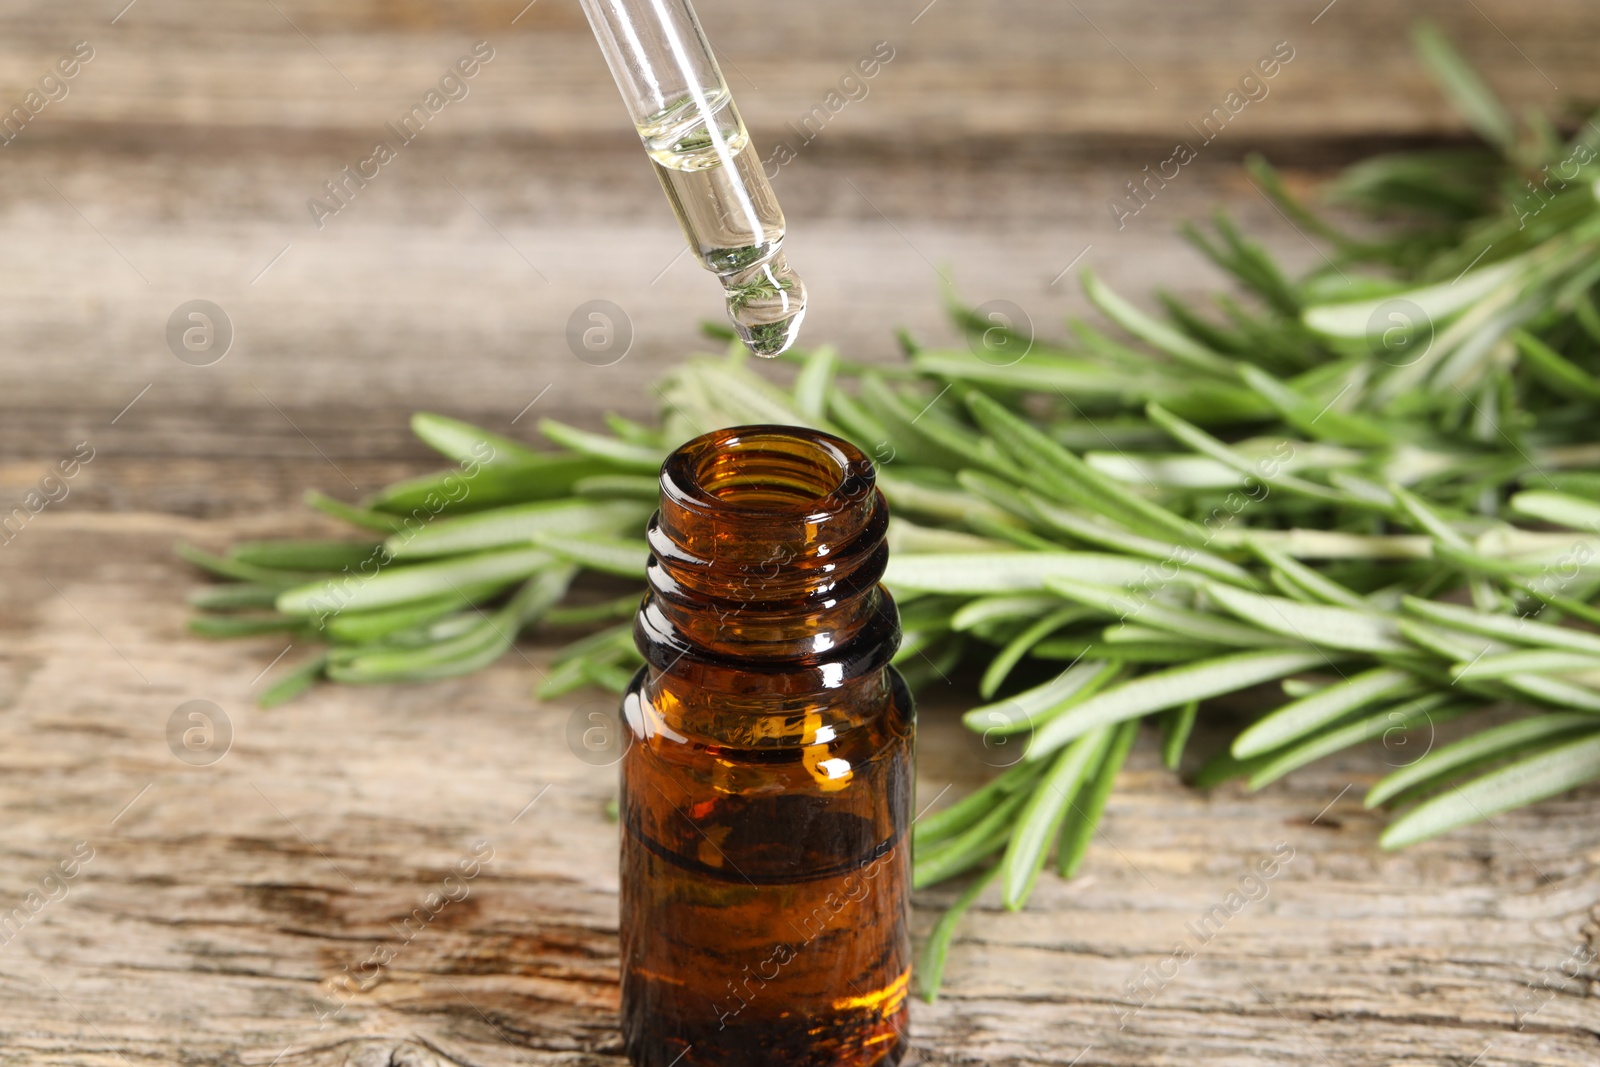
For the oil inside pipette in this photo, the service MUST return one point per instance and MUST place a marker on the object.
(713, 179)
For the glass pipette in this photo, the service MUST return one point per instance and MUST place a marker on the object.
(705, 162)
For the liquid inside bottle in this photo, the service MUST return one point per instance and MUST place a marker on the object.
(714, 181)
(766, 790)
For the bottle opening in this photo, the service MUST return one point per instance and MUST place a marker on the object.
(777, 471)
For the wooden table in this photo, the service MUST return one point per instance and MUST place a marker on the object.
(222, 904)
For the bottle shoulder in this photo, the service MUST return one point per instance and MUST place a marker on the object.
(659, 709)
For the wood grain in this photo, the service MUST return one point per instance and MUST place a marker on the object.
(978, 68)
(225, 905)
(181, 163)
(412, 298)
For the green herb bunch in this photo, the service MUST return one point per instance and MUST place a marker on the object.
(1375, 487)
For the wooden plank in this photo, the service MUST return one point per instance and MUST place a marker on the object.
(223, 904)
(181, 164)
(415, 299)
(981, 68)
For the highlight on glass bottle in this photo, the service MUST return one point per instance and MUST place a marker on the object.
(766, 791)
(705, 162)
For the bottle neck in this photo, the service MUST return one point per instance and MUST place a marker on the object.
(765, 560)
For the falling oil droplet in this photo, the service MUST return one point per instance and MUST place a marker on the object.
(766, 304)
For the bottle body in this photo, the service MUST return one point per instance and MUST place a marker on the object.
(766, 789)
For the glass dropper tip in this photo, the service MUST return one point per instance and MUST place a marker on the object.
(766, 303)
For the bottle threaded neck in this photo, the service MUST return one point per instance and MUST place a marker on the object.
(768, 548)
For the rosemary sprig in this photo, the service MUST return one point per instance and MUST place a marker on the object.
(1376, 485)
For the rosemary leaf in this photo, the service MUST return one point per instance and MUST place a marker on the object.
(1534, 778)
(1160, 690)
(1087, 810)
(1040, 820)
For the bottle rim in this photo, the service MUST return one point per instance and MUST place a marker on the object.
(767, 470)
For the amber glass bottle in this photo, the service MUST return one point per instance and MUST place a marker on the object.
(766, 790)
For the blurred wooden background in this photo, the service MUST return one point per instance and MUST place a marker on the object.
(180, 164)
(222, 901)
